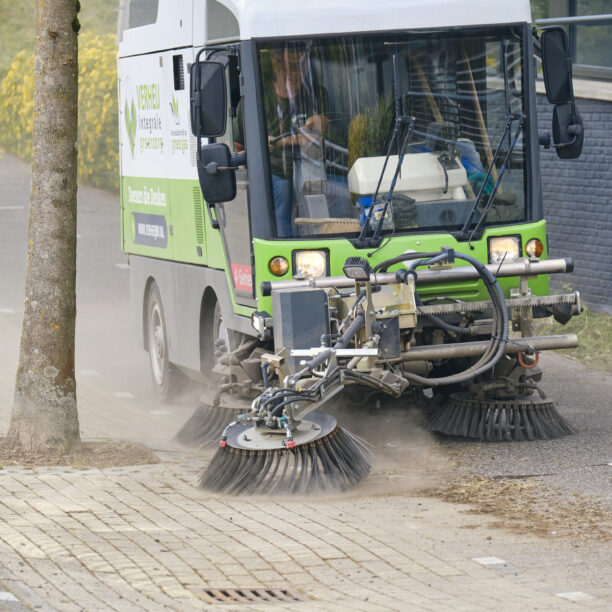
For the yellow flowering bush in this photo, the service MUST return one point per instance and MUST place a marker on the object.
(17, 106)
(98, 138)
(98, 161)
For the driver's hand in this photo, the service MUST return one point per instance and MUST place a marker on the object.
(317, 123)
(271, 145)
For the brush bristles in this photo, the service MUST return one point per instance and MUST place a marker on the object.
(496, 421)
(338, 461)
(205, 425)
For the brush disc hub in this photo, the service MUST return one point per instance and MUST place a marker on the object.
(315, 426)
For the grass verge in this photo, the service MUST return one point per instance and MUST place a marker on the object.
(594, 331)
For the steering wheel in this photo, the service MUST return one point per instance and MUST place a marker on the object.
(305, 131)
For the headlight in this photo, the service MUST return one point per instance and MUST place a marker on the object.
(534, 248)
(504, 248)
(309, 263)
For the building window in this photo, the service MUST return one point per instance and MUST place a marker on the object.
(589, 26)
(591, 44)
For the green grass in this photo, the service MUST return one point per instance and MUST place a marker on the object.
(594, 332)
(17, 24)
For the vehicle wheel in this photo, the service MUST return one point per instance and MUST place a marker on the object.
(166, 376)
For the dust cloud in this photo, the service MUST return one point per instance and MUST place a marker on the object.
(405, 455)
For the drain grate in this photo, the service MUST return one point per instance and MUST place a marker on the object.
(253, 596)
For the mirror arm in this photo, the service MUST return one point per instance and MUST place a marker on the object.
(572, 130)
(214, 168)
(563, 145)
(239, 159)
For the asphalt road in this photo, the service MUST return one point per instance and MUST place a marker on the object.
(578, 463)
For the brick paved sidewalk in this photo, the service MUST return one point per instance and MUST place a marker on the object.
(146, 538)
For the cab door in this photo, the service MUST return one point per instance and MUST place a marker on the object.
(233, 217)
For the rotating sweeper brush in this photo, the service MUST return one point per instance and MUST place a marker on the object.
(316, 456)
(373, 331)
(283, 445)
(222, 406)
(497, 420)
(208, 421)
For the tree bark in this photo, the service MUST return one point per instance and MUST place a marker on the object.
(44, 415)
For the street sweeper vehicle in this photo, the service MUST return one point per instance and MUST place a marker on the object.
(323, 200)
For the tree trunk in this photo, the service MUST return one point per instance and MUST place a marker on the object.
(44, 413)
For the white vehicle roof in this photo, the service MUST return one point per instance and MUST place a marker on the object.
(270, 18)
(184, 23)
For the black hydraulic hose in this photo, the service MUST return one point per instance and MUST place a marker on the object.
(370, 381)
(284, 393)
(438, 322)
(264, 375)
(297, 398)
(499, 337)
(430, 317)
(383, 266)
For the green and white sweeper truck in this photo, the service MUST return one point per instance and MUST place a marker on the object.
(323, 200)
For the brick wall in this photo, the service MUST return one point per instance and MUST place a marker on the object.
(577, 198)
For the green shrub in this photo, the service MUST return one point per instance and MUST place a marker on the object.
(98, 161)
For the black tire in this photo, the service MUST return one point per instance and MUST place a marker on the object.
(167, 378)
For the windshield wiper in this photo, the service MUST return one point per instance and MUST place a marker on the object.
(399, 120)
(464, 233)
(364, 240)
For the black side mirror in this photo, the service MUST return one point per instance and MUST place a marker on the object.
(557, 65)
(208, 99)
(568, 132)
(216, 173)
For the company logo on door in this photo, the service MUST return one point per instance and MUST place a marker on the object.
(243, 277)
(142, 117)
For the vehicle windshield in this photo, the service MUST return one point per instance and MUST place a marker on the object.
(330, 107)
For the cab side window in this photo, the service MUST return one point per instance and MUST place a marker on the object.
(142, 12)
(235, 128)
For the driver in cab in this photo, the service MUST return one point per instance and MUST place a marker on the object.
(294, 118)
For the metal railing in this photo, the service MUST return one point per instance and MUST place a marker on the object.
(582, 70)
